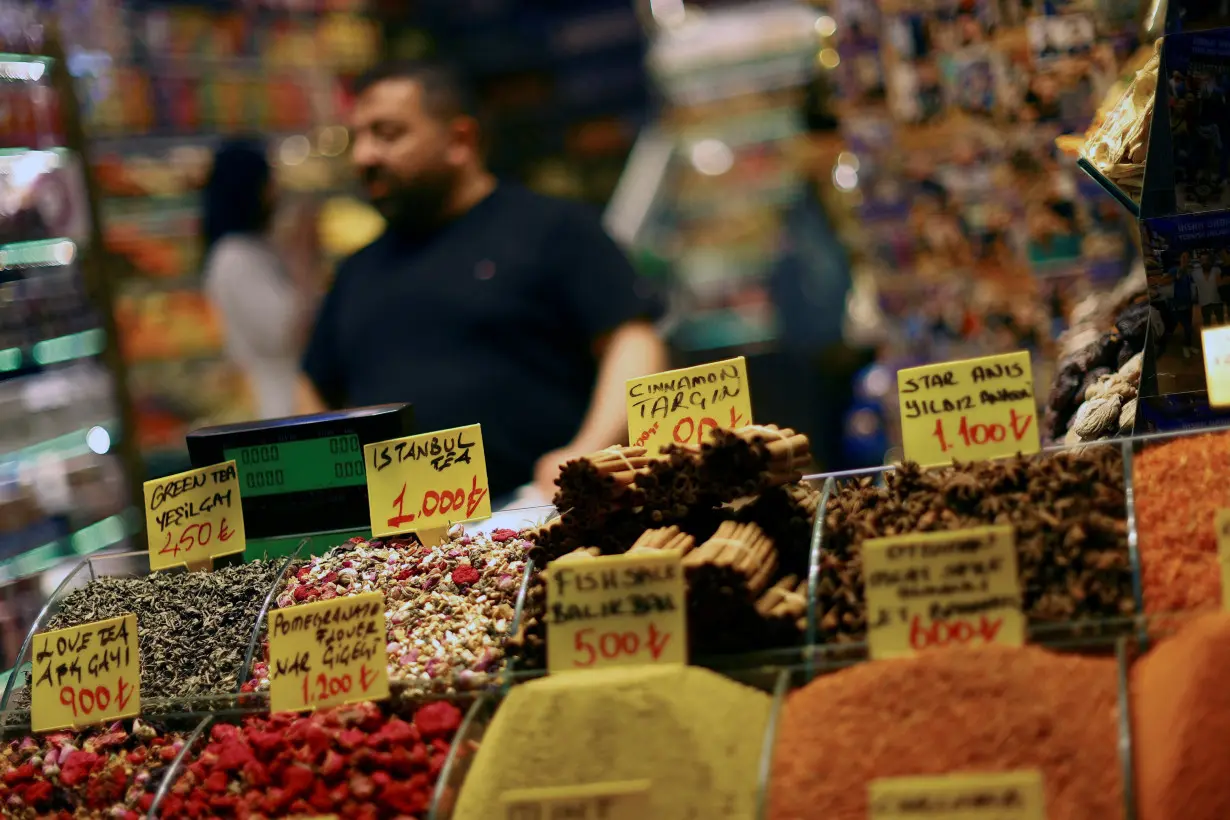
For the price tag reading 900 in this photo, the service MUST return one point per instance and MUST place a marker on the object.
(972, 409)
(86, 674)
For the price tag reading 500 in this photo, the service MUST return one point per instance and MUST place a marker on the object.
(427, 481)
(971, 409)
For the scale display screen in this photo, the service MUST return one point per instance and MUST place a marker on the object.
(298, 466)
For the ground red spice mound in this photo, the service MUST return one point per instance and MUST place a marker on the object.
(1181, 723)
(990, 709)
(1179, 486)
(353, 761)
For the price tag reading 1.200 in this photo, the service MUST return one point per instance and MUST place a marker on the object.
(328, 653)
(972, 409)
(618, 610)
(194, 516)
(427, 481)
(85, 674)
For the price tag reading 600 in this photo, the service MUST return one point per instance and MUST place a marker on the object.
(427, 481)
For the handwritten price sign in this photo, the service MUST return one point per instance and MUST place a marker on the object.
(427, 481)
(931, 590)
(86, 674)
(618, 610)
(972, 409)
(194, 516)
(328, 653)
(1216, 344)
(617, 800)
(992, 796)
(685, 406)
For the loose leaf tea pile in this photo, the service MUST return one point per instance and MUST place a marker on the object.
(990, 709)
(1067, 510)
(101, 772)
(193, 628)
(1180, 485)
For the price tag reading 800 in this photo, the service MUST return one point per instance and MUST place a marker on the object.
(427, 481)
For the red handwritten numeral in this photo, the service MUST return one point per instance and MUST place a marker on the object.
(475, 498)
(940, 633)
(224, 532)
(402, 516)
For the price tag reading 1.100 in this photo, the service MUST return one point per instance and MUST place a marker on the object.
(427, 481)
(971, 409)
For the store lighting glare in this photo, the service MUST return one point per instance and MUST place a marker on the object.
(829, 58)
(294, 150)
(712, 157)
(22, 70)
(64, 252)
(826, 26)
(98, 440)
(848, 159)
(845, 178)
(333, 140)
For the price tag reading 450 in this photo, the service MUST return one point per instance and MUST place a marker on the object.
(194, 516)
(327, 653)
(618, 610)
(972, 409)
(427, 481)
(85, 674)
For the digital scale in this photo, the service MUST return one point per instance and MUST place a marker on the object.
(302, 475)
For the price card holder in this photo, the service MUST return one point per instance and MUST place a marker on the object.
(684, 406)
(931, 590)
(85, 674)
(194, 517)
(971, 409)
(328, 653)
(1222, 523)
(616, 800)
(1216, 344)
(993, 796)
(617, 610)
(423, 483)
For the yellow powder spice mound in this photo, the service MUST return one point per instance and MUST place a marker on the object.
(695, 734)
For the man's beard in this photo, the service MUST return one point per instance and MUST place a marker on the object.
(416, 207)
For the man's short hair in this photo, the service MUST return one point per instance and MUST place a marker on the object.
(446, 94)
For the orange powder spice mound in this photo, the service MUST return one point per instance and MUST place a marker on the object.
(1181, 723)
(1179, 486)
(990, 709)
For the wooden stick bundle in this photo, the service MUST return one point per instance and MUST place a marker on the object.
(740, 548)
(664, 539)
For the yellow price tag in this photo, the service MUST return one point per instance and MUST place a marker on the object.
(327, 653)
(85, 674)
(1216, 344)
(937, 589)
(684, 406)
(1222, 523)
(616, 800)
(993, 796)
(194, 516)
(971, 410)
(617, 610)
(427, 481)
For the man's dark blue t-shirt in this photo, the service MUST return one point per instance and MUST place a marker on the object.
(493, 319)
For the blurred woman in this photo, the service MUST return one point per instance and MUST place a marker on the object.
(264, 312)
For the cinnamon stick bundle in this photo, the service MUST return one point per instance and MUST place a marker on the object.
(668, 539)
(600, 483)
(742, 549)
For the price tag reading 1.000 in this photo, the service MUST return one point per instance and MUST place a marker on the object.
(194, 516)
(328, 653)
(427, 481)
(685, 406)
(992, 796)
(973, 409)
(618, 610)
(85, 674)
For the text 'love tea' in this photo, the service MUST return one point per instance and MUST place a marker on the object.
(85, 674)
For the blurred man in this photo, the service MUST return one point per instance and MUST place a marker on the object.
(481, 302)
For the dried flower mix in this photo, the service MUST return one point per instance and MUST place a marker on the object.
(695, 734)
(450, 607)
(193, 628)
(966, 710)
(107, 772)
(1180, 485)
(1181, 723)
(353, 761)
(1068, 511)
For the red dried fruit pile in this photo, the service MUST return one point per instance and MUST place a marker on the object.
(109, 772)
(352, 761)
(1180, 487)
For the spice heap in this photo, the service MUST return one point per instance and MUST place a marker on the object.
(193, 628)
(1181, 723)
(449, 607)
(966, 710)
(1067, 510)
(695, 734)
(1118, 146)
(352, 761)
(734, 508)
(1179, 488)
(111, 772)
